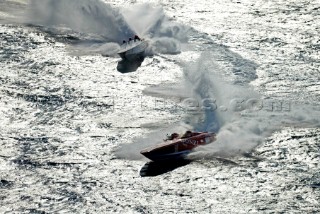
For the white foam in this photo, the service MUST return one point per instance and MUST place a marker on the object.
(112, 24)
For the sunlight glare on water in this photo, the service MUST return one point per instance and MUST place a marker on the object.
(72, 126)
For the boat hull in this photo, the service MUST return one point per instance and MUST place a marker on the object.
(177, 148)
(168, 156)
(133, 51)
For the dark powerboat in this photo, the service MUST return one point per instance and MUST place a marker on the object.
(176, 147)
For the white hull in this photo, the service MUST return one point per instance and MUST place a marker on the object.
(133, 50)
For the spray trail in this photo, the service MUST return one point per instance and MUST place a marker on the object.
(85, 16)
(241, 117)
(212, 93)
(111, 25)
(151, 22)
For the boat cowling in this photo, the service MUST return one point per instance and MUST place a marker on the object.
(179, 147)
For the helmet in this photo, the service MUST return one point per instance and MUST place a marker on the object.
(174, 135)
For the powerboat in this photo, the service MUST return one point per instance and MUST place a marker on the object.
(178, 147)
(133, 49)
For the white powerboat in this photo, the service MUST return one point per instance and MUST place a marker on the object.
(133, 50)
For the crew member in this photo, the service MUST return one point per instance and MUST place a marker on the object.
(136, 37)
(172, 136)
(187, 134)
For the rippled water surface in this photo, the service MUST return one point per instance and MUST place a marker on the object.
(63, 115)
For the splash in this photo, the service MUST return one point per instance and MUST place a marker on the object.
(241, 117)
(84, 16)
(109, 25)
(150, 21)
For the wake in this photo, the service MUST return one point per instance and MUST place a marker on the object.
(100, 21)
(241, 117)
